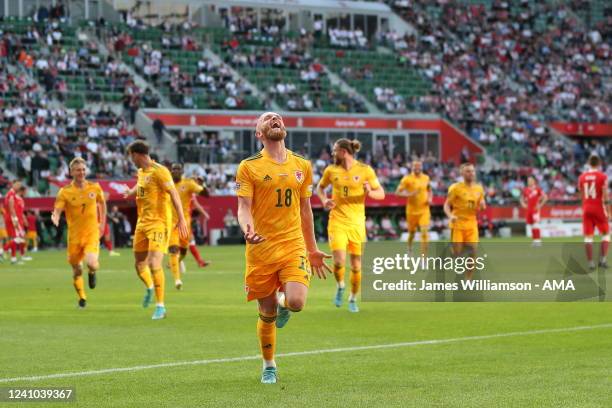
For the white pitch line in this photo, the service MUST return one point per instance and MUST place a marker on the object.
(304, 353)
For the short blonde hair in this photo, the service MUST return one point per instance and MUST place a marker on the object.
(77, 160)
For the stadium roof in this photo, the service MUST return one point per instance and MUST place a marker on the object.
(353, 7)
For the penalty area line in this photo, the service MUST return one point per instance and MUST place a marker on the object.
(304, 353)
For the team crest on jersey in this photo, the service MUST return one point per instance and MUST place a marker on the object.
(91, 195)
(356, 179)
(299, 175)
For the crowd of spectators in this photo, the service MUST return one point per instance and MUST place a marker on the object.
(38, 142)
(531, 61)
(189, 89)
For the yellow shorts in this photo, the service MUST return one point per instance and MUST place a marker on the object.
(77, 249)
(346, 238)
(417, 221)
(464, 235)
(176, 240)
(149, 239)
(262, 280)
(31, 235)
(3, 234)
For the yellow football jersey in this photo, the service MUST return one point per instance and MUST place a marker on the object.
(418, 203)
(276, 190)
(81, 208)
(348, 192)
(465, 202)
(152, 198)
(186, 189)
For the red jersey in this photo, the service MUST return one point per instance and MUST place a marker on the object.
(592, 184)
(532, 196)
(31, 223)
(18, 204)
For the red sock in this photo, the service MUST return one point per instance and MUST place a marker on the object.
(7, 245)
(21, 247)
(108, 244)
(535, 233)
(588, 246)
(604, 249)
(196, 254)
(13, 248)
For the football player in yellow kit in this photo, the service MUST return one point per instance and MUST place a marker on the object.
(415, 187)
(187, 189)
(351, 181)
(155, 193)
(463, 202)
(85, 208)
(274, 188)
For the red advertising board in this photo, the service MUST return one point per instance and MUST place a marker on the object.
(583, 129)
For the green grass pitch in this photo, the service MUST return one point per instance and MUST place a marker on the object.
(42, 333)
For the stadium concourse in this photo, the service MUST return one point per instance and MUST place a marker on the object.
(75, 87)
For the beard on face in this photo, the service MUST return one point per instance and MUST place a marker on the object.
(275, 134)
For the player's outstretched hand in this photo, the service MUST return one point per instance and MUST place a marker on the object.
(182, 229)
(317, 263)
(252, 237)
(329, 204)
(55, 218)
(367, 187)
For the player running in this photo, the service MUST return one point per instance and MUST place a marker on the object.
(593, 186)
(351, 181)
(417, 190)
(83, 202)
(462, 204)
(14, 220)
(154, 191)
(533, 199)
(274, 188)
(187, 190)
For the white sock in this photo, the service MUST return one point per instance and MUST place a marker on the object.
(269, 363)
(159, 304)
(340, 284)
(352, 297)
(281, 300)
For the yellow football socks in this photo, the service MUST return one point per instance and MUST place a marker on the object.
(77, 281)
(339, 274)
(266, 333)
(144, 273)
(159, 280)
(175, 266)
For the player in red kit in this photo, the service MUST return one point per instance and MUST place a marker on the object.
(533, 199)
(593, 186)
(14, 219)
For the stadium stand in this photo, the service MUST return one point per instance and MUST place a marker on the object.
(501, 70)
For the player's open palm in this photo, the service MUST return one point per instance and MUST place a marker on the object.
(55, 218)
(182, 229)
(317, 263)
